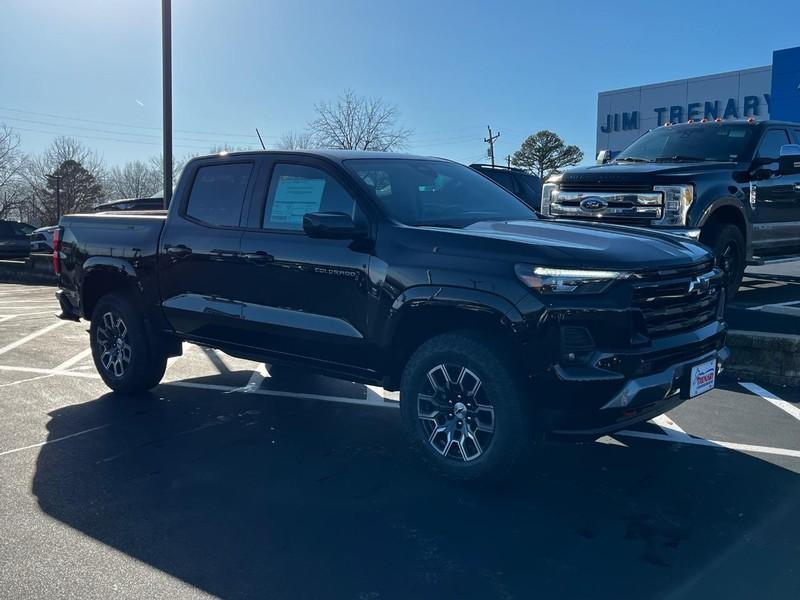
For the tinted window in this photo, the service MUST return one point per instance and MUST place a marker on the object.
(296, 190)
(502, 178)
(5, 230)
(218, 194)
(21, 230)
(706, 142)
(436, 192)
(796, 133)
(771, 143)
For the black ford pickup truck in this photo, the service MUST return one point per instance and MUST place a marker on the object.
(417, 274)
(733, 184)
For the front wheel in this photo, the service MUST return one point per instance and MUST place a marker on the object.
(127, 360)
(727, 242)
(462, 407)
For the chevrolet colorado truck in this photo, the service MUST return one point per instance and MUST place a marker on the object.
(733, 184)
(417, 274)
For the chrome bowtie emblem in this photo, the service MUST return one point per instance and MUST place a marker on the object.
(699, 285)
(593, 203)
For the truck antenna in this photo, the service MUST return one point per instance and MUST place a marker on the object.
(263, 147)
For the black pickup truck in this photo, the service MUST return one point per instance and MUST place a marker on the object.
(417, 274)
(733, 184)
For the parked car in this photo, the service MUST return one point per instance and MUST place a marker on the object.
(523, 185)
(413, 273)
(733, 184)
(14, 241)
(42, 239)
(152, 203)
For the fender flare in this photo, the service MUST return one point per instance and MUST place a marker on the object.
(463, 299)
(98, 265)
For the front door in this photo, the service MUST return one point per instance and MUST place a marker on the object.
(307, 297)
(200, 269)
(776, 210)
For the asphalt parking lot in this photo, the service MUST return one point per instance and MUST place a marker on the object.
(233, 481)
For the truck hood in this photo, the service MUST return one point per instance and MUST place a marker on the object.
(570, 244)
(645, 172)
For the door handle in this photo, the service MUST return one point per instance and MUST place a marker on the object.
(259, 258)
(178, 250)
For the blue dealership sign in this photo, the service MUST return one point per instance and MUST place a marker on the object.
(785, 101)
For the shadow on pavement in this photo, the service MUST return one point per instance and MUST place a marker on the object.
(246, 496)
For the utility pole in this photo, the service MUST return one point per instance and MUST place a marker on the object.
(166, 89)
(508, 160)
(490, 140)
(58, 195)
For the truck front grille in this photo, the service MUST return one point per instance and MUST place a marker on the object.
(676, 300)
(631, 206)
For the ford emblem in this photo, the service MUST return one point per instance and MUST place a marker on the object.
(593, 203)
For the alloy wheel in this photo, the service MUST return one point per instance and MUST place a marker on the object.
(114, 345)
(455, 414)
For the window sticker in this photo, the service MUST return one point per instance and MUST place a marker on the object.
(294, 197)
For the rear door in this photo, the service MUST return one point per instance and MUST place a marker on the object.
(201, 273)
(306, 297)
(776, 214)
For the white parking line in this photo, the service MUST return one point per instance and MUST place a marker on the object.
(772, 398)
(30, 337)
(53, 441)
(74, 360)
(670, 427)
(710, 443)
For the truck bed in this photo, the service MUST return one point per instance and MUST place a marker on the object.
(114, 243)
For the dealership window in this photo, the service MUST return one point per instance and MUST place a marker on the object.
(771, 143)
(218, 194)
(296, 190)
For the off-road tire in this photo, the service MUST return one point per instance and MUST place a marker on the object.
(126, 357)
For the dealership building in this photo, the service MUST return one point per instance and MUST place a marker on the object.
(762, 93)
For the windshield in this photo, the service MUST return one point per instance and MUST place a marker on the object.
(437, 193)
(707, 142)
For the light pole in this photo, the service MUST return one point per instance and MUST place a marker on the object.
(58, 195)
(166, 87)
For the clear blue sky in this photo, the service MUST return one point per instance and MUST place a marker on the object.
(452, 67)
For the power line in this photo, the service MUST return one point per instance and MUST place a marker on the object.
(107, 139)
(97, 130)
(118, 124)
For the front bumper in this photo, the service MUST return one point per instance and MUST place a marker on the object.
(589, 402)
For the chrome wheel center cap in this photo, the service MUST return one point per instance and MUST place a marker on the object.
(459, 409)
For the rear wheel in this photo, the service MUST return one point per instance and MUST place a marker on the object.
(462, 407)
(127, 360)
(727, 242)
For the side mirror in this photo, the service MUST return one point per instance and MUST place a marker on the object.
(761, 174)
(603, 157)
(789, 161)
(332, 226)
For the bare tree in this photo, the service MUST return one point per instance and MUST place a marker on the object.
(355, 122)
(297, 140)
(136, 179)
(11, 163)
(81, 174)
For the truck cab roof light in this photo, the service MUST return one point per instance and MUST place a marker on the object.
(718, 120)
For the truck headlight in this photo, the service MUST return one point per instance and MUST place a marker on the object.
(546, 280)
(547, 197)
(677, 200)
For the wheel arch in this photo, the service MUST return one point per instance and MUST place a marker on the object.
(727, 210)
(427, 311)
(104, 275)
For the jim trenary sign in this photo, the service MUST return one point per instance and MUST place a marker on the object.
(762, 93)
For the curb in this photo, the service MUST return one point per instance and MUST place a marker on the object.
(770, 357)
